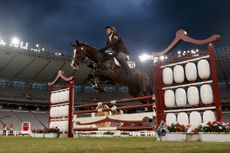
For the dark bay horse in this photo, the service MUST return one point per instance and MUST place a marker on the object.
(138, 83)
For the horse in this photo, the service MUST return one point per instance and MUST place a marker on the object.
(138, 84)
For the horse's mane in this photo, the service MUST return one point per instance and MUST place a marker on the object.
(87, 45)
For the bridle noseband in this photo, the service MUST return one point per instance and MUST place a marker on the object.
(80, 55)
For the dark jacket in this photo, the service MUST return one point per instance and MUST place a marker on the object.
(116, 44)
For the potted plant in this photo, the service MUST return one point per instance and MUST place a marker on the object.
(37, 133)
(46, 133)
(176, 132)
(216, 131)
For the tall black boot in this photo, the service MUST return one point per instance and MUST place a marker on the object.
(126, 67)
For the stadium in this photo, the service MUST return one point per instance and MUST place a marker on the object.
(175, 100)
(25, 74)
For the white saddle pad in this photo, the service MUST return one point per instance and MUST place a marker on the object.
(131, 64)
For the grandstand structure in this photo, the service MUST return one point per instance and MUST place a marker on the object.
(24, 77)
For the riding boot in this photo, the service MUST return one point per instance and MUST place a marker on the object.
(126, 67)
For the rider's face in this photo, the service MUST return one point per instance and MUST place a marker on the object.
(109, 31)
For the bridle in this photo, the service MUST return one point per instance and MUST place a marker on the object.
(79, 55)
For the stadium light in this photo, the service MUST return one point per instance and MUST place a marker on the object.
(145, 57)
(15, 42)
(2, 42)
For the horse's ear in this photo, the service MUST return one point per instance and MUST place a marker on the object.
(77, 42)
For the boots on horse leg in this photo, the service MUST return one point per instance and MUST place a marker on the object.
(101, 77)
(95, 83)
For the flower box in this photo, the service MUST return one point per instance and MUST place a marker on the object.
(215, 137)
(38, 135)
(173, 136)
(216, 131)
(50, 135)
(192, 137)
(44, 135)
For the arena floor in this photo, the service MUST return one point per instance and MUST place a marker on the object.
(106, 145)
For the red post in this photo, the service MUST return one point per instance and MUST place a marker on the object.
(50, 92)
(158, 83)
(71, 100)
(70, 82)
(216, 92)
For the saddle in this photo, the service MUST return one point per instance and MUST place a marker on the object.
(132, 64)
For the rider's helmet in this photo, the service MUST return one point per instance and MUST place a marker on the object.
(111, 27)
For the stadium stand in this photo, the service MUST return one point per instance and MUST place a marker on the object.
(24, 91)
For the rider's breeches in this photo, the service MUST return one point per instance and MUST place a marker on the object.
(122, 58)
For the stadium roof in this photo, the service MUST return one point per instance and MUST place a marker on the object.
(19, 64)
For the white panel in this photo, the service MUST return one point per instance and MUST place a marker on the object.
(181, 97)
(203, 69)
(182, 118)
(52, 125)
(206, 94)
(66, 110)
(193, 95)
(169, 98)
(66, 96)
(195, 119)
(209, 116)
(56, 97)
(52, 113)
(57, 109)
(61, 96)
(167, 76)
(178, 74)
(191, 71)
(52, 96)
(170, 119)
(63, 125)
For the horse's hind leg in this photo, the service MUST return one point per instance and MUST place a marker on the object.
(144, 89)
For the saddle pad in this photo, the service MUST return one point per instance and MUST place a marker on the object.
(131, 64)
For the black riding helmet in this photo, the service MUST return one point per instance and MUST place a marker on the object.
(111, 27)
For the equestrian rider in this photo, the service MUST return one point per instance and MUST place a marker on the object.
(115, 42)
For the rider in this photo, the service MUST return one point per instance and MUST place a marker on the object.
(115, 42)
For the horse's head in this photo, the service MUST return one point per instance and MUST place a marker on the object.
(79, 54)
(81, 51)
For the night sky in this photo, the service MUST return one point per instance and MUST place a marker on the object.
(145, 25)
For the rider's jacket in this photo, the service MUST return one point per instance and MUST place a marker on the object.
(115, 42)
